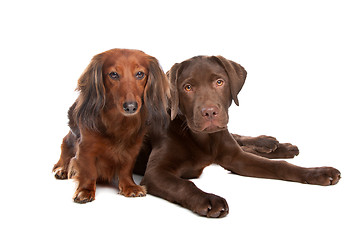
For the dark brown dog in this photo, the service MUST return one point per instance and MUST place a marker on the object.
(202, 91)
(119, 91)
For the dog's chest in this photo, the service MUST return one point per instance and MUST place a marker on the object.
(122, 149)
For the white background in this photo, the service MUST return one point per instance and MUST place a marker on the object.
(302, 59)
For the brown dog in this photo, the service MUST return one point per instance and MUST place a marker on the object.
(202, 89)
(119, 91)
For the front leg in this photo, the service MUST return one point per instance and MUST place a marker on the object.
(250, 165)
(127, 158)
(84, 167)
(164, 183)
(127, 186)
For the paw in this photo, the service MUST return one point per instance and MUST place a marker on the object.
(286, 150)
(211, 206)
(132, 191)
(84, 196)
(263, 144)
(60, 173)
(323, 176)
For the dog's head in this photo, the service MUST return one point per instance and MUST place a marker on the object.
(122, 80)
(202, 89)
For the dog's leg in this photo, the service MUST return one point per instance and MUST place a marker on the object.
(251, 165)
(127, 186)
(127, 158)
(86, 174)
(68, 150)
(163, 182)
(266, 146)
(184, 192)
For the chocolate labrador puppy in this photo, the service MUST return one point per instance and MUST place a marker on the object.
(203, 89)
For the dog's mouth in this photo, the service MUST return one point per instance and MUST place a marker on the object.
(208, 127)
(213, 129)
(130, 114)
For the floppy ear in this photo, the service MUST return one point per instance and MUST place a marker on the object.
(237, 75)
(173, 77)
(157, 93)
(92, 95)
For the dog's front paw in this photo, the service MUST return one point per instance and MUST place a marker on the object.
(285, 150)
(60, 173)
(132, 191)
(84, 196)
(323, 176)
(211, 206)
(262, 144)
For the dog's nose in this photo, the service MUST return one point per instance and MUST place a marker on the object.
(210, 112)
(130, 107)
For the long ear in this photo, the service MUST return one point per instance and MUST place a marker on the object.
(237, 75)
(157, 93)
(173, 77)
(92, 95)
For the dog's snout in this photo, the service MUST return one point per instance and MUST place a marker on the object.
(210, 112)
(130, 107)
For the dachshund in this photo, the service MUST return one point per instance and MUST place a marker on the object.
(121, 92)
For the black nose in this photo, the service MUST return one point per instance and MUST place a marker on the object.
(209, 112)
(130, 107)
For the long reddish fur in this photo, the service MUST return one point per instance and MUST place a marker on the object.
(104, 139)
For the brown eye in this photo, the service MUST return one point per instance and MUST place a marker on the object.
(140, 75)
(114, 75)
(188, 87)
(219, 82)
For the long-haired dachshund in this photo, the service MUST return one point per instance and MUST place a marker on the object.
(121, 92)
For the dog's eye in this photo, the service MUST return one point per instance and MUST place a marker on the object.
(114, 75)
(188, 87)
(219, 82)
(140, 75)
